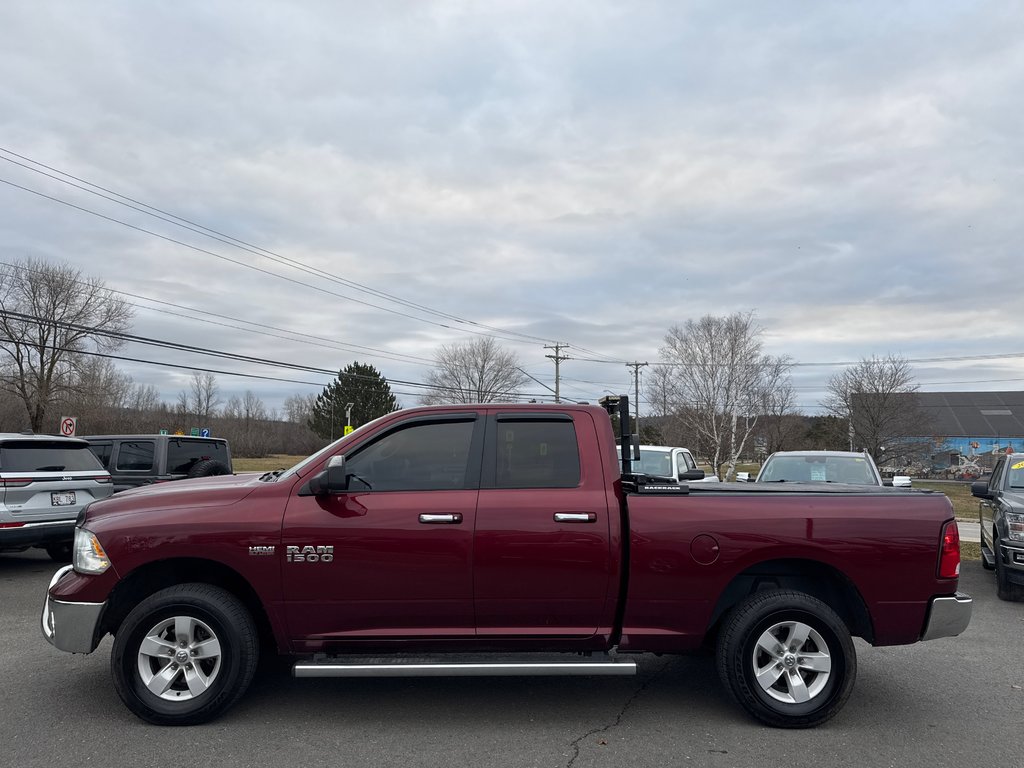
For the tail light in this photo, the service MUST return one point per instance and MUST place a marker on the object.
(15, 482)
(949, 554)
(11, 525)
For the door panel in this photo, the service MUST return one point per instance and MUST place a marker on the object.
(364, 564)
(534, 574)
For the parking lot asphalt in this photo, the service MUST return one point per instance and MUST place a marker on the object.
(950, 702)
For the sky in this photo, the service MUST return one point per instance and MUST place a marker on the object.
(583, 173)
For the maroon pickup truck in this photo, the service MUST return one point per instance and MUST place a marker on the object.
(500, 540)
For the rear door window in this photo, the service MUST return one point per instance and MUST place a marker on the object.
(44, 456)
(536, 453)
(136, 456)
(182, 455)
(102, 452)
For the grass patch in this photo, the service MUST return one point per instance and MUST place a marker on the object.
(266, 463)
(970, 550)
(965, 506)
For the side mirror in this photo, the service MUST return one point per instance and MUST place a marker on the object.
(692, 474)
(979, 488)
(330, 480)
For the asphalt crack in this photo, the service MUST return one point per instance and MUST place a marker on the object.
(575, 743)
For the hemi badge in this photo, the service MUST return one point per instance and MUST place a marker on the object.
(261, 551)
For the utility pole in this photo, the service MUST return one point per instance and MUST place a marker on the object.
(557, 357)
(636, 399)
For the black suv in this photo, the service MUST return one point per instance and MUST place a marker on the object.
(1002, 524)
(135, 460)
(45, 481)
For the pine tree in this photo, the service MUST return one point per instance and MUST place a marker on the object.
(361, 385)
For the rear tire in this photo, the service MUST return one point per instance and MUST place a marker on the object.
(787, 658)
(184, 655)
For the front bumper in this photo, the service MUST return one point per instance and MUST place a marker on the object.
(947, 616)
(1013, 559)
(70, 627)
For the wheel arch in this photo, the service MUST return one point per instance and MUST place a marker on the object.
(152, 577)
(813, 577)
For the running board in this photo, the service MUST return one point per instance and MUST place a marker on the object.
(435, 667)
(989, 558)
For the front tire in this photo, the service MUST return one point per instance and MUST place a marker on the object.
(184, 655)
(1005, 590)
(787, 658)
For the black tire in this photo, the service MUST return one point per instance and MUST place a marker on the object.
(783, 612)
(206, 612)
(59, 552)
(209, 468)
(1005, 590)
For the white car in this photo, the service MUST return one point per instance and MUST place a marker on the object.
(673, 463)
(846, 467)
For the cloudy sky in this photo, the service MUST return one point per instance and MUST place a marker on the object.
(589, 173)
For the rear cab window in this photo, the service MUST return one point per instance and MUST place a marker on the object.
(182, 455)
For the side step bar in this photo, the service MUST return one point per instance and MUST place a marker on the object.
(391, 667)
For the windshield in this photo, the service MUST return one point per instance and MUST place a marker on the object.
(656, 463)
(1016, 475)
(850, 470)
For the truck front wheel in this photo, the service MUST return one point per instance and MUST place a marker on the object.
(184, 655)
(787, 658)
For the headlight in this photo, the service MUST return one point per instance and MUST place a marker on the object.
(1015, 526)
(89, 556)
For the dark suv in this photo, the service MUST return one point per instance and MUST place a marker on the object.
(135, 460)
(1002, 524)
(45, 482)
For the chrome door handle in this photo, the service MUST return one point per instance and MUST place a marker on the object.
(575, 517)
(442, 519)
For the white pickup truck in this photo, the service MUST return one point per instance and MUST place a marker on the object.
(673, 463)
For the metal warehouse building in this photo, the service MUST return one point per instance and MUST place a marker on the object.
(970, 430)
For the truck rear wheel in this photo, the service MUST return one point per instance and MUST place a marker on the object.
(184, 655)
(787, 658)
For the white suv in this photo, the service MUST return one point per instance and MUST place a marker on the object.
(45, 482)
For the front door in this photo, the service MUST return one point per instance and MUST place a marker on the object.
(391, 557)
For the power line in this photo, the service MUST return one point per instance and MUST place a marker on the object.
(302, 337)
(178, 346)
(222, 237)
(254, 267)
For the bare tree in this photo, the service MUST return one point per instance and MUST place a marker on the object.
(49, 315)
(298, 408)
(201, 398)
(477, 371)
(878, 400)
(722, 382)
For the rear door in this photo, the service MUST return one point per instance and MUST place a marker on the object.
(543, 563)
(133, 463)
